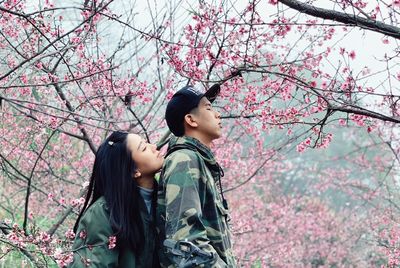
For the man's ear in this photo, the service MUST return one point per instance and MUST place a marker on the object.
(190, 120)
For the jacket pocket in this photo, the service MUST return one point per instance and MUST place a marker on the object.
(224, 212)
(221, 208)
(224, 228)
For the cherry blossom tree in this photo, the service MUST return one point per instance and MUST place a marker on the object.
(309, 100)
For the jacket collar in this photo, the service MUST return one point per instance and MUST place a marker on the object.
(195, 144)
(203, 151)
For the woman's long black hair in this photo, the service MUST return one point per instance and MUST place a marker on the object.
(112, 177)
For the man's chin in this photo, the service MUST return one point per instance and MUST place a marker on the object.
(217, 136)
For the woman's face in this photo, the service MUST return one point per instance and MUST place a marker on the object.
(147, 158)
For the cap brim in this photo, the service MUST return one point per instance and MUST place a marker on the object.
(213, 92)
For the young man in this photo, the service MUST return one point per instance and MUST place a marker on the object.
(192, 213)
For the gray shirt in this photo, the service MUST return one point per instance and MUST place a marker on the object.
(147, 195)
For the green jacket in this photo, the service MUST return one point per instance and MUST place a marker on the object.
(189, 204)
(95, 246)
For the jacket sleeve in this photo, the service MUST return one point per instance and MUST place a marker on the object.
(91, 245)
(184, 199)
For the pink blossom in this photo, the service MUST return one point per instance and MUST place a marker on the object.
(25, 91)
(74, 202)
(24, 78)
(53, 122)
(352, 55)
(11, 62)
(81, 201)
(82, 234)
(58, 253)
(63, 258)
(300, 148)
(70, 234)
(45, 237)
(307, 141)
(112, 242)
(39, 65)
(281, 27)
(358, 119)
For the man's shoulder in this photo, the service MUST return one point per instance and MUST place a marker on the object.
(182, 163)
(182, 155)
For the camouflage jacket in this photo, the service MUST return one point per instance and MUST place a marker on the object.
(91, 245)
(189, 204)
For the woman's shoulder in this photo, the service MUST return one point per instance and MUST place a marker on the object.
(96, 216)
(99, 204)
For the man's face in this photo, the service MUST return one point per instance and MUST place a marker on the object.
(208, 120)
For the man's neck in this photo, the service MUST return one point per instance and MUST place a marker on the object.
(199, 137)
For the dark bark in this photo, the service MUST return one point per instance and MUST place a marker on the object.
(348, 19)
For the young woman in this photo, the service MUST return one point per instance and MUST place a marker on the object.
(117, 229)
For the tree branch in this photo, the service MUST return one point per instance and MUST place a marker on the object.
(28, 189)
(78, 121)
(349, 19)
(362, 111)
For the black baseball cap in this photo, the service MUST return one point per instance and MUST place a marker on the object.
(182, 102)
